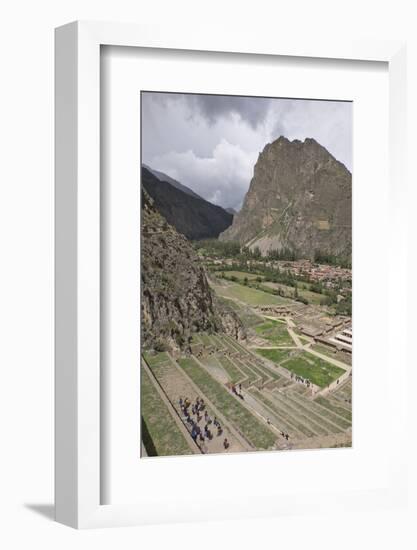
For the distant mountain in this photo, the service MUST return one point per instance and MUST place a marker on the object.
(231, 211)
(164, 177)
(299, 199)
(192, 216)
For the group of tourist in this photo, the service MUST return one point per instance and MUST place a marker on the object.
(237, 390)
(193, 413)
(300, 379)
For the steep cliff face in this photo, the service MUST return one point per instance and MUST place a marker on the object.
(176, 297)
(300, 198)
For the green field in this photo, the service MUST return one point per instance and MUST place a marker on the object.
(274, 355)
(160, 433)
(303, 288)
(333, 406)
(242, 274)
(254, 431)
(249, 296)
(235, 375)
(313, 368)
(312, 297)
(275, 332)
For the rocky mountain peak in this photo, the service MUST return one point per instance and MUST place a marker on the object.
(299, 199)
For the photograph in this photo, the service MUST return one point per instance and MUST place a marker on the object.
(245, 273)
(200, 208)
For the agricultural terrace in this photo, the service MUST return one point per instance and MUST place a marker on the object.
(259, 435)
(160, 433)
(274, 332)
(313, 368)
(248, 295)
(286, 291)
(275, 355)
(259, 388)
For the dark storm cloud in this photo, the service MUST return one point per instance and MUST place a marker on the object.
(211, 143)
(251, 110)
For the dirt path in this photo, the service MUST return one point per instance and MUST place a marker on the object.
(180, 384)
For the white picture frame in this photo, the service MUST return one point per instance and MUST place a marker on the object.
(77, 242)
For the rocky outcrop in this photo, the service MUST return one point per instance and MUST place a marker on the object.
(191, 215)
(176, 297)
(299, 199)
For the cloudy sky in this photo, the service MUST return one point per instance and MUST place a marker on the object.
(211, 143)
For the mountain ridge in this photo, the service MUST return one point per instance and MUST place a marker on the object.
(194, 217)
(175, 183)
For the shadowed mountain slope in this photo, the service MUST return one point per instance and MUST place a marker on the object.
(164, 177)
(192, 216)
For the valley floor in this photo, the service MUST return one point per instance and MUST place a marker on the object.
(277, 390)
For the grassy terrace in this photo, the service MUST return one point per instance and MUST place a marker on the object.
(247, 370)
(258, 373)
(274, 355)
(283, 412)
(260, 369)
(250, 296)
(251, 363)
(232, 344)
(313, 368)
(242, 274)
(344, 392)
(227, 344)
(303, 288)
(275, 332)
(155, 359)
(218, 342)
(334, 407)
(268, 373)
(304, 415)
(281, 420)
(312, 297)
(259, 435)
(321, 416)
(234, 374)
(160, 433)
